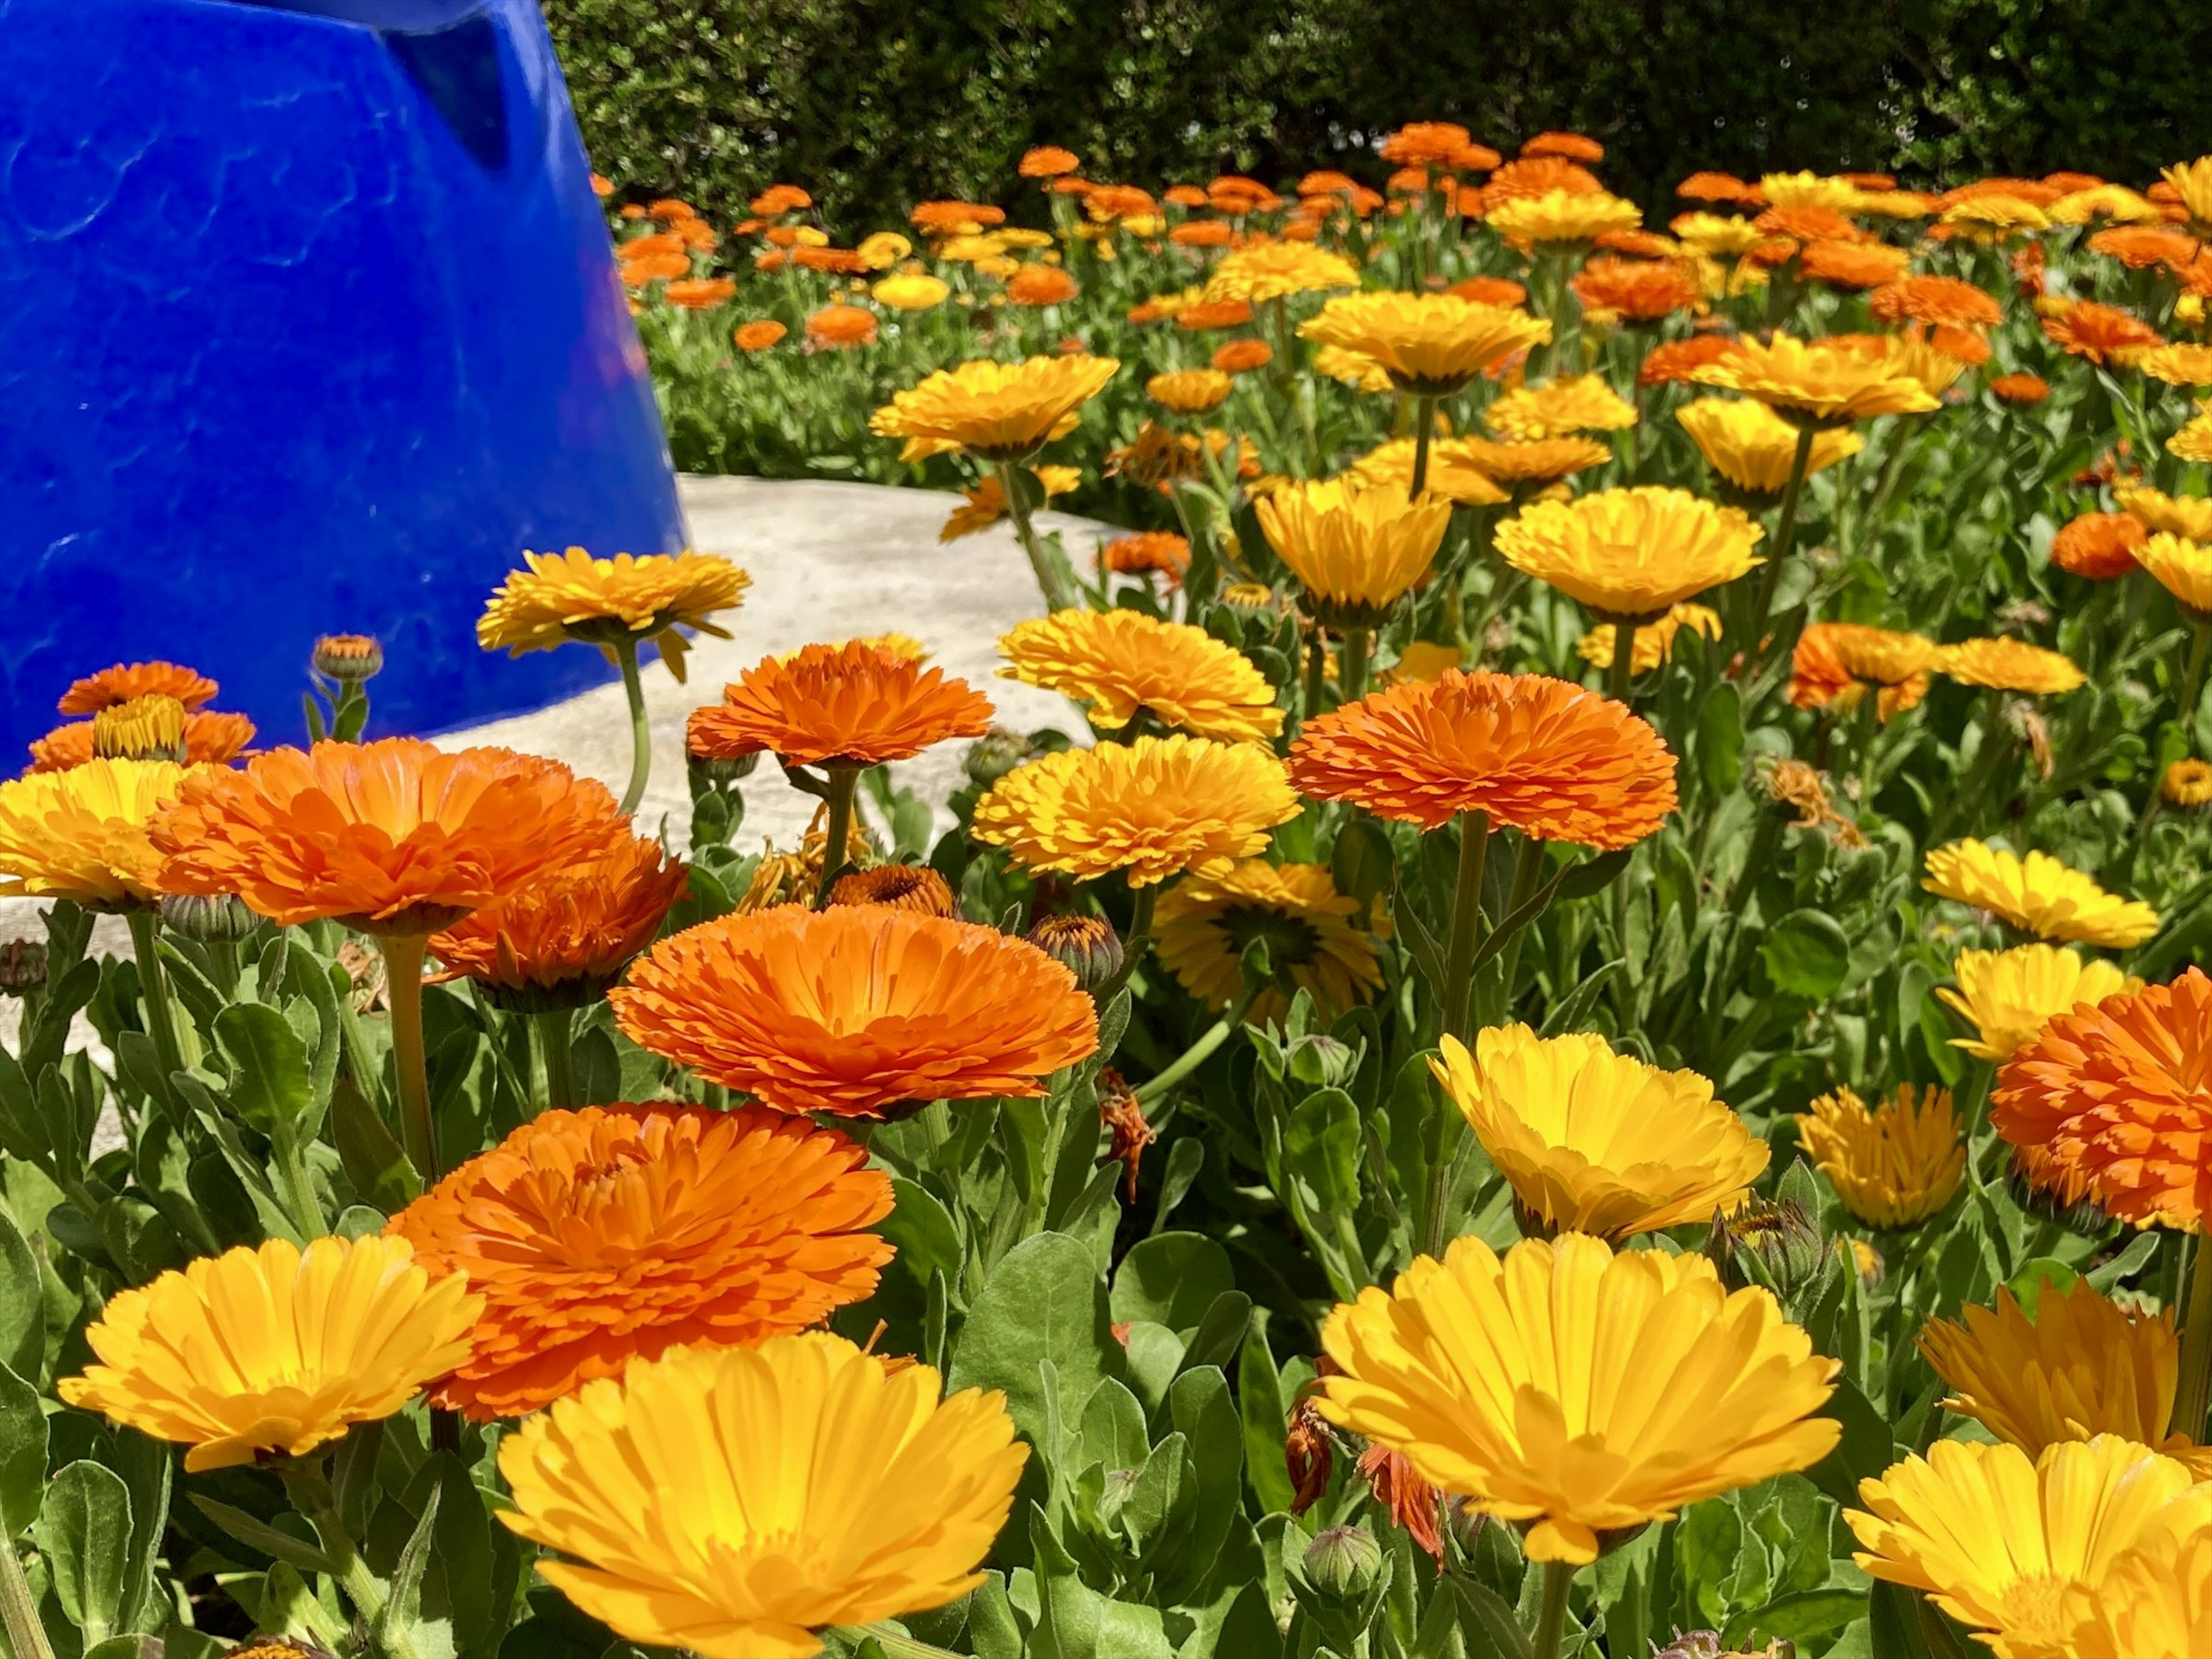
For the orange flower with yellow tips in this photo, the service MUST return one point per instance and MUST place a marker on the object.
(1834, 664)
(852, 704)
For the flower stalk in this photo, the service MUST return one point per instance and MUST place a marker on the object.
(554, 1029)
(1785, 535)
(641, 735)
(1197, 1055)
(403, 977)
(153, 988)
(1051, 580)
(1551, 1615)
(2192, 1392)
(843, 782)
(19, 1612)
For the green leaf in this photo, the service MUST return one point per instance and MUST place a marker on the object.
(1807, 955)
(22, 1305)
(923, 1230)
(1321, 1151)
(257, 1534)
(1492, 1627)
(374, 1161)
(1591, 876)
(401, 1625)
(1172, 1279)
(23, 1440)
(1720, 739)
(1865, 1447)
(1185, 1156)
(1265, 1416)
(1042, 1302)
(269, 1086)
(1795, 1618)
(83, 1530)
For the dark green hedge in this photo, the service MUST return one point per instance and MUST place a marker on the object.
(871, 104)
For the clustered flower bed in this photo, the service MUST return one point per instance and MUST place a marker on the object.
(1599, 1054)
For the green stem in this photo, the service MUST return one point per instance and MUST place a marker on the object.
(297, 1187)
(1194, 1056)
(1551, 1617)
(1869, 723)
(153, 988)
(1785, 535)
(1425, 426)
(2192, 1392)
(641, 738)
(2192, 682)
(1621, 672)
(1056, 596)
(843, 780)
(1316, 669)
(555, 1026)
(1352, 665)
(19, 1614)
(1466, 921)
(309, 1488)
(403, 989)
(1527, 872)
(1142, 901)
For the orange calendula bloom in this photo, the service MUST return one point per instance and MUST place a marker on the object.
(1046, 162)
(1719, 187)
(1490, 291)
(855, 704)
(841, 325)
(1673, 361)
(1934, 300)
(1572, 145)
(1539, 755)
(701, 292)
(2100, 333)
(1147, 553)
(1835, 664)
(1639, 290)
(1851, 265)
(2098, 545)
(393, 837)
(2113, 1103)
(857, 1010)
(1040, 285)
(601, 1236)
(126, 681)
(914, 887)
(1242, 356)
(2019, 389)
(759, 334)
(1121, 663)
(1532, 176)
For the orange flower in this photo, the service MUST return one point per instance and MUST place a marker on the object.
(1540, 755)
(1834, 663)
(855, 704)
(1724, 187)
(1040, 285)
(561, 940)
(701, 293)
(1851, 264)
(1536, 176)
(1148, 552)
(610, 1234)
(1804, 224)
(759, 334)
(2098, 545)
(1106, 203)
(211, 738)
(841, 325)
(1202, 233)
(392, 837)
(1238, 356)
(1046, 162)
(1638, 290)
(1675, 363)
(2097, 332)
(1935, 300)
(651, 268)
(914, 887)
(954, 218)
(857, 1010)
(125, 681)
(778, 199)
(2021, 389)
(1572, 145)
(1425, 142)
(2140, 247)
(1214, 313)
(1490, 291)
(2113, 1103)
(835, 261)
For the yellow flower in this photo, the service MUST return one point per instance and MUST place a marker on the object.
(2114, 202)
(2187, 784)
(734, 1501)
(1117, 663)
(1356, 370)
(2037, 895)
(82, 834)
(1563, 215)
(1274, 270)
(1753, 448)
(1991, 218)
(1542, 461)
(1207, 921)
(610, 602)
(1814, 383)
(1429, 344)
(1356, 551)
(1997, 1540)
(1580, 403)
(911, 291)
(1631, 553)
(2156, 1601)
(1718, 235)
(1813, 190)
(1189, 391)
(2194, 442)
(973, 250)
(1424, 661)
(2008, 664)
(1389, 466)
(885, 249)
(1653, 640)
(984, 501)
(271, 1351)
(1586, 1391)
(2189, 517)
(2082, 1367)
(1595, 1142)
(2183, 569)
(1151, 808)
(998, 411)
(2192, 182)
(2008, 996)
(2178, 365)
(1893, 1166)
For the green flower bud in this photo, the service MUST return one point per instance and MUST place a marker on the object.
(1344, 1562)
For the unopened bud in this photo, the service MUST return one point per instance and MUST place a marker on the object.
(22, 966)
(993, 755)
(349, 658)
(1323, 1061)
(1087, 946)
(208, 917)
(1344, 1562)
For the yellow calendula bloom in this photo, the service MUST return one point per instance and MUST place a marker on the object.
(1189, 391)
(1895, 1165)
(273, 1351)
(1582, 1390)
(2009, 665)
(1207, 921)
(1356, 551)
(1917, 360)
(1810, 190)
(2186, 784)
(1389, 466)
(1993, 218)
(2192, 182)
(1631, 553)
(1999, 1540)
(1425, 660)
(1580, 403)
(82, 834)
(1597, 1142)
(2037, 895)
(1429, 344)
(1813, 383)
(1718, 235)
(1753, 448)
(2115, 203)
(2156, 1601)
(2082, 1367)
(984, 502)
(2194, 442)
(1274, 271)
(996, 412)
(883, 250)
(2178, 365)
(610, 602)
(911, 291)
(151, 727)
(1541, 460)
(1151, 809)
(735, 1501)
(1355, 369)
(2008, 996)
(1653, 640)
(1563, 215)
(2186, 516)
(2183, 569)
(1116, 663)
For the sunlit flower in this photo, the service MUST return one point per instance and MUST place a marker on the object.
(983, 503)
(1361, 372)
(2009, 665)
(1533, 176)
(2184, 568)
(837, 326)
(1389, 466)
(2098, 545)
(1538, 754)
(1356, 551)
(914, 887)
(1707, 186)
(1814, 383)
(2019, 390)
(1934, 299)
(1147, 553)
(2178, 365)
(1429, 345)
(911, 290)
(610, 602)
(1652, 640)
(1595, 1142)
(1040, 285)
(856, 1010)
(1585, 1391)
(853, 704)
(2188, 517)
(126, 681)
(1673, 361)
(1754, 448)
(393, 837)
(2037, 895)
(701, 292)
(2095, 202)
(1580, 403)
(2186, 784)
(1833, 664)
(2100, 333)
(1810, 190)
(1207, 921)
(1540, 460)
(883, 250)
(1851, 264)
(2192, 182)
(1046, 162)
(2155, 1600)
(2008, 996)
(1151, 809)
(734, 1501)
(997, 412)
(759, 334)
(1189, 391)
(271, 1351)
(1640, 290)
(2193, 442)
(1718, 235)
(1998, 1539)
(208, 737)
(2141, 247)
(1563, 215)
(1893, 1166)
(1631, 553)
(1274, 271)
(1242, 356)
(1119, 663)
(1993, 218)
